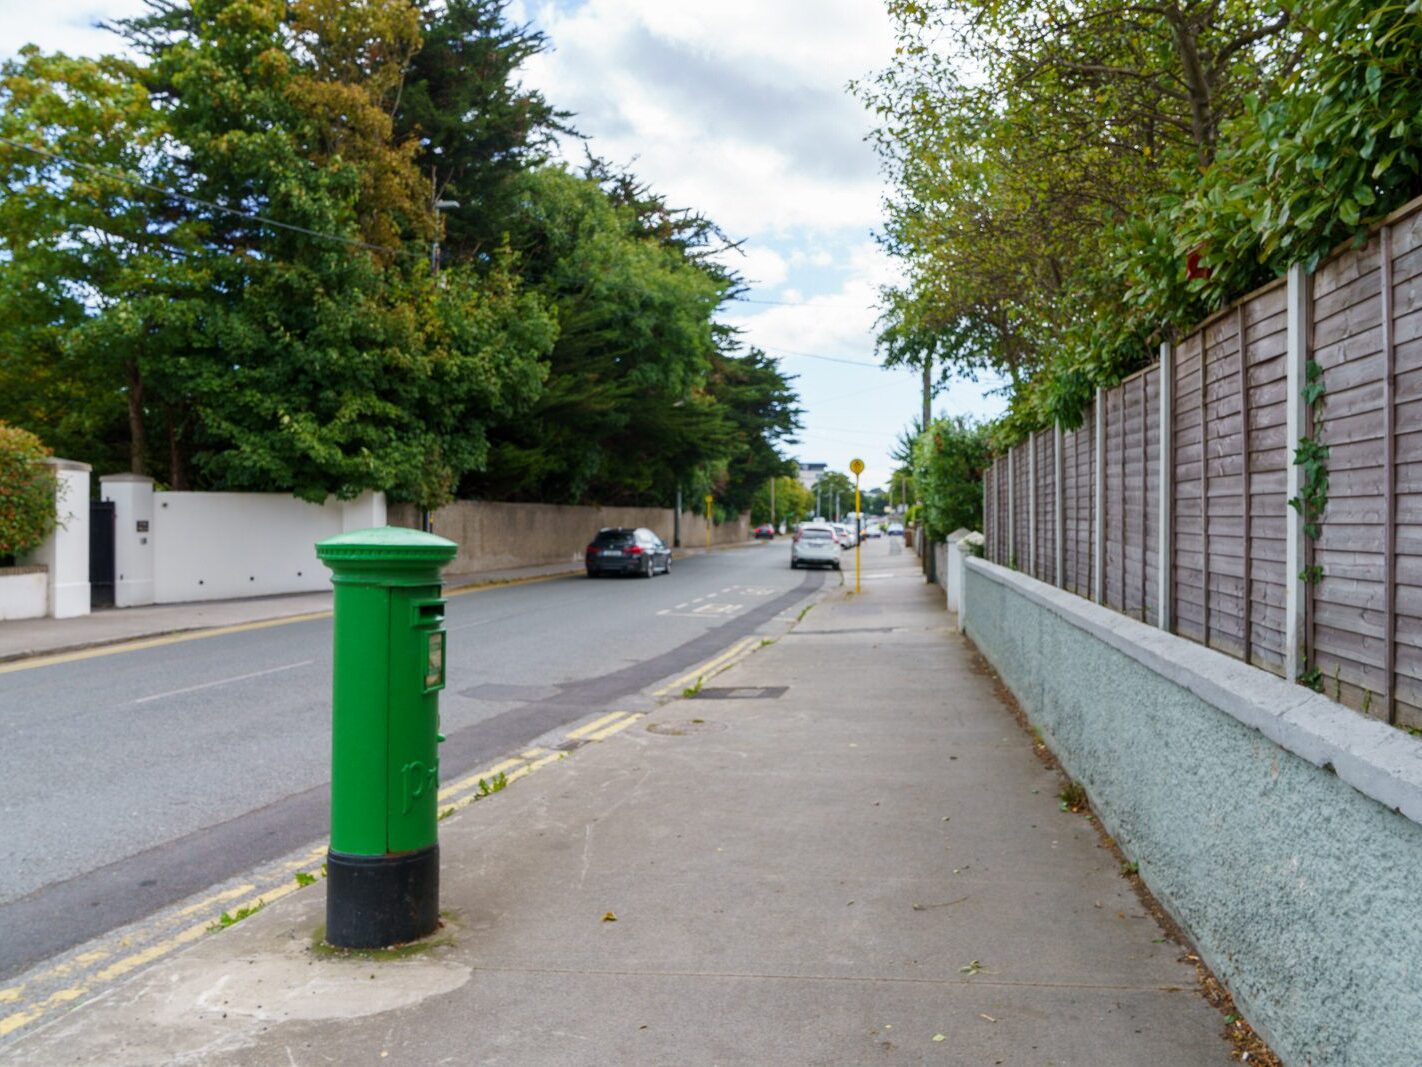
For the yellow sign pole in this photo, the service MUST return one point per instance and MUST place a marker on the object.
(857, 466)
(708, 520)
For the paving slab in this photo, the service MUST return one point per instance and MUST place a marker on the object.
(868, 867)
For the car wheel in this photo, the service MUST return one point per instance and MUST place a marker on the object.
(666, 569)
(835, 566)
(647, 570)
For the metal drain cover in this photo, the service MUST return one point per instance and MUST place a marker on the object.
(741, 692)
(682, 729)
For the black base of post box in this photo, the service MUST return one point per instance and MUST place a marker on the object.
(375, 901)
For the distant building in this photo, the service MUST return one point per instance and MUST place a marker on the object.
(810, 473)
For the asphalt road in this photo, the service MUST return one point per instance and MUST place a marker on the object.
(130, 781)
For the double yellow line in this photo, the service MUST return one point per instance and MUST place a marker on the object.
(121, 953)
(710, 667)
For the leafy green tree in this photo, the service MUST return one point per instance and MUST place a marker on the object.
(240, 257)
(477, 126)
(949, 461)
(827, 485)
(1027, 143)
(793, 502)
(28, 490)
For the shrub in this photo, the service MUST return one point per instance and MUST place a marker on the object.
(28, 491)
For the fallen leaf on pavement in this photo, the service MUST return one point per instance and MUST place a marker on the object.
(609, 918)
(989, 1018)
(939, 1037)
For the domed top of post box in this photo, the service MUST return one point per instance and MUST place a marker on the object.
(383, 555)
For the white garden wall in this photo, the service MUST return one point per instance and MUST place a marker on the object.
(24, 592)
(220, 546)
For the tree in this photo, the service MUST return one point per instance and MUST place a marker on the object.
(793, 502)
(227, 235)
(827, 485)
(477, 127)
(1026, 142)
(949, 461)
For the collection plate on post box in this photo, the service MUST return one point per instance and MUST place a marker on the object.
(434, 668)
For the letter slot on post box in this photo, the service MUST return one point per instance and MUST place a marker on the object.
(383, 864)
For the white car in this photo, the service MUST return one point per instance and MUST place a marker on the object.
(814, 544)
(896, 529)
(843, 534)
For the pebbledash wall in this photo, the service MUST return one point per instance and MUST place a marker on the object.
(496, 536)
(1280, 828)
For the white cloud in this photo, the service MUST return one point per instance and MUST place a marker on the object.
(737, 108)
(63, 25)
(759, 264)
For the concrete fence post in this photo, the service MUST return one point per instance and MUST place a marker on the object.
(1011, 559)
(1165, 481)
(1031, 567)
(1058, 507)
(1296, 428)
(1098, 518)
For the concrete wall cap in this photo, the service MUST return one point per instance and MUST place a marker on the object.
(104, 479)
(1378, 760)
(67, 464)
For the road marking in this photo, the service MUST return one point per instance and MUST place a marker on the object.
(268, 885)
(153, 642)
(608, 731)
(596, 724)
(139, 644)
(706, 668)
(225, 681)
(473, 779)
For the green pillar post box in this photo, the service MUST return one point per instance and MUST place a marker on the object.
(383, 864)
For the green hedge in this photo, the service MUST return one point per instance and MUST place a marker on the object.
(28, 491)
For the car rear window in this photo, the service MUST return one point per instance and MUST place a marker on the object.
(613, 537)
(816, 532)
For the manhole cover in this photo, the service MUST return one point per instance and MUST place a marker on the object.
(741, 692)
(682, 729)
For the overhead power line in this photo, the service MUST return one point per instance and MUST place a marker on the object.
(803, 304)
(129, 179)
(827, 359)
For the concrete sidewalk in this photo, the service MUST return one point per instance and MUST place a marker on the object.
(26, 638)
(867, 865)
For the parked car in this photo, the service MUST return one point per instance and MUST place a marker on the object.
(896, 529)
(874, 532)
(815, 544)
(622, 550)
(843, 534)
(764, 532)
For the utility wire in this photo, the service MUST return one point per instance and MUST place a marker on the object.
(803, 304)
(139, 183)
(827, 359)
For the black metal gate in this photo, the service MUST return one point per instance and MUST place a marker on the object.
(101, 553)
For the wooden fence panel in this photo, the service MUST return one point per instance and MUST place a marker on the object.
(1268, 459)
(1406, 337)
(1004, 537)
(1078, 499)
(1137, 499)
(1150, 478)
(1113, 517)
(1223, 472)
(1187, 592)
(1021, 489)
(1044, 449)
(1349, 603)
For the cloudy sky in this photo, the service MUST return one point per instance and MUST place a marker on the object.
(738, 109)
